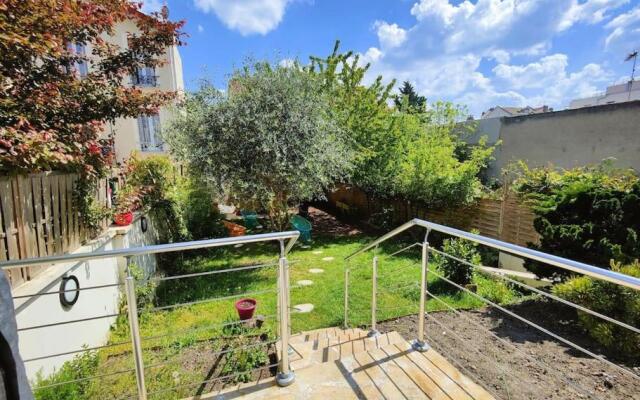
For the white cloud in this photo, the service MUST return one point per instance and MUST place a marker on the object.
(443, 51)
(625, 31)
(390, 35)
(589, 11)
(534, 75)
(200, 28)
(149, 6)
(246, 16)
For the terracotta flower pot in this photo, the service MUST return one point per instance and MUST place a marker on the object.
(234, 229)
(123, 219)
(246, 308)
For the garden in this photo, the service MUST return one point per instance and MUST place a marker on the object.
(275, 141)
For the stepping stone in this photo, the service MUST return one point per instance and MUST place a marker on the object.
(237, 246)
(303, 308)
(317, 252)
(305, 246)
(316, 270)
(305, 282)
(327, 259)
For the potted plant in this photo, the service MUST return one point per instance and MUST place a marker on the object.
(246, 308)
(127, 201)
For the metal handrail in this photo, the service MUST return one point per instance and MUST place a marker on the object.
(156, 249)
(285, 374)
(564, 263)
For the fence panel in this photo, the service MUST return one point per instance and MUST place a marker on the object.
(37, 219)
(505, 219)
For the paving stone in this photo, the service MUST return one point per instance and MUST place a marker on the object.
(305, 282)
(327, 259)
(303, 308)
(316, 270)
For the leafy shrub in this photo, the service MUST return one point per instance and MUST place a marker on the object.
(145, 289)
(155, 177)
(589, 214)
(199, 210)
(456, 271)
(610, 299)
(243, 361)
(81, 366)
(494, 289)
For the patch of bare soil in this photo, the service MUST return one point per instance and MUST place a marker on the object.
(328, 224)
(513, 360)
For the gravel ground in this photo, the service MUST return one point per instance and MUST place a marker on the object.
(515, 361)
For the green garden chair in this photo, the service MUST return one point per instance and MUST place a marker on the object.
(250, 219)
(303, 226)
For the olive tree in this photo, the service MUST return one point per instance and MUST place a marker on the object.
(268, 142)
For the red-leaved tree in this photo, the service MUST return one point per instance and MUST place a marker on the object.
(50, 117)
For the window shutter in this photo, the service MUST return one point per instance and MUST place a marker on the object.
(157, 134)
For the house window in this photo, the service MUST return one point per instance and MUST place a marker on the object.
(149, 130)
(145, 77)
(80, 67)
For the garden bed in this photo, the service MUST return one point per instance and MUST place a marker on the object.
(560, 372)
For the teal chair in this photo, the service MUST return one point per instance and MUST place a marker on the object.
(303, 226)
(250, 219)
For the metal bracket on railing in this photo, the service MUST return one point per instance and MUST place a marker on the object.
(420, 344)
(134, 328)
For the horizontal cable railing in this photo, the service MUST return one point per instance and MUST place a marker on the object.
(207, 333)
(387, 283)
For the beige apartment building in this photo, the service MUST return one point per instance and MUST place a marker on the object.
(142, 134)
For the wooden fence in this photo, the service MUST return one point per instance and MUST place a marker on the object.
(37, 219)
(504, 219)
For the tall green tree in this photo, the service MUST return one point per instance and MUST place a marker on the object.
(409, 100)
(270, 142)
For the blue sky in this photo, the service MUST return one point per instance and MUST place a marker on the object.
(479, 53)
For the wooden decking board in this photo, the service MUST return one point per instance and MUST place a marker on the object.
(443, 380)
(341, 364)
(403, 381)
(424, 381)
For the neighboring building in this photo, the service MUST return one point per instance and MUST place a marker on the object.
(142, 134)
(565, 139)
(621, 93)
(499, 111)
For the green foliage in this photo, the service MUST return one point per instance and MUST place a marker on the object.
(145, 289)
(81, 366)
(414, 155)
(241, 362)
(200, 212)
(494, 289)
(456, 271)
(590, 214)
(91, 213)
(270, 142)
(154, 179)
(409, 100)
(612, 300)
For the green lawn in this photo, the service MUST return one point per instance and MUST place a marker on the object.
(187, 331)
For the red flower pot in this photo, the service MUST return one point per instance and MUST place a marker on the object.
(123, 219)
(245, 308)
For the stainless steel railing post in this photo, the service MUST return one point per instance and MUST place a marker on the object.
(132, 309)
(374, 297)
(285, 376)
(346, 297)
(420, 344)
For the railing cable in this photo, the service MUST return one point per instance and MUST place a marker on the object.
(538, 327)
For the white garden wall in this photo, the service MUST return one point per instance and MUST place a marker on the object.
(46, 308)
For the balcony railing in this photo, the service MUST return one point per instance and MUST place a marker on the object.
(285, 375)
(422, 344)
